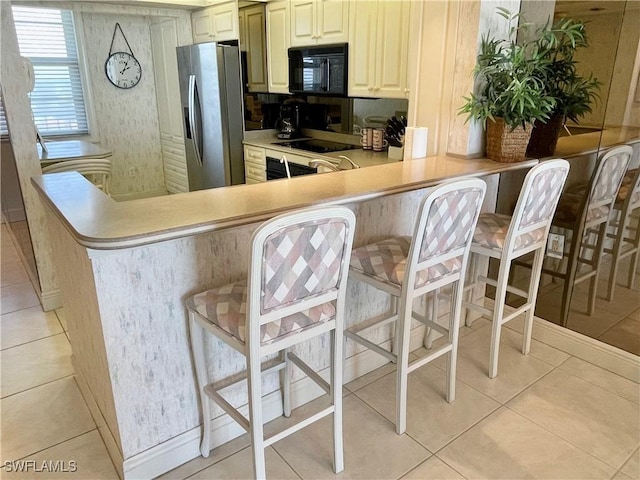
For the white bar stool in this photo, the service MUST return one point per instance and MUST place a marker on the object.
(507, 238)
(96, 170)
(295, 291)
(410, 267)
(586, 216)
(626, 236)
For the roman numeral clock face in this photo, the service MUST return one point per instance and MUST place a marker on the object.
(123, 70)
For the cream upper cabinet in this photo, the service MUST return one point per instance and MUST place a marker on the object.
(378, 48)
(217, 23)
(319, 22)
(277, 13)
(256, 47)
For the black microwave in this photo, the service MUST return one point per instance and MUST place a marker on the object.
(320, 70)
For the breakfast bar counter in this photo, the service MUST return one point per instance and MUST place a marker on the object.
(125, 270)
(96, 221)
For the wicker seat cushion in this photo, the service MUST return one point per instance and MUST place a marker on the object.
(491, 232)
(226, 307)
(387, 261)
(568, 206)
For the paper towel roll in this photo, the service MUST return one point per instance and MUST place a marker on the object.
(415, 142)
(419, 145)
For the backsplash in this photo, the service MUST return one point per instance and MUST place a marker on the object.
(334, 114)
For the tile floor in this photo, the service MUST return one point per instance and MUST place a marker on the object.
(547, 415)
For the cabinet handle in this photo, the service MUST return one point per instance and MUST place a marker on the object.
(406, 90)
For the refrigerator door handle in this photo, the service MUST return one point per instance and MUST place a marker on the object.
(195, 127)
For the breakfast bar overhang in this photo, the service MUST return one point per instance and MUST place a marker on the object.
(126, 269)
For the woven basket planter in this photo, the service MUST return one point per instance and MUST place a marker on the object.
(544, 137)
(507, 145)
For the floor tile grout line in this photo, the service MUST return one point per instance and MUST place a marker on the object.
(600, 386)
(619, 470)
(288, 464)
(39, 385)
(32, 341)
(56, 444)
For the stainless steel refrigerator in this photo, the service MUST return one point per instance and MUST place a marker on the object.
(211, 97)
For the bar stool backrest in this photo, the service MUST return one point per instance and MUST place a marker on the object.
(298, 262)
(605, 183)
(444, 228)
(97, 170)
(632, 197)
(536, 205)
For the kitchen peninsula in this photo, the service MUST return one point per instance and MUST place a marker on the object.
(126, 269)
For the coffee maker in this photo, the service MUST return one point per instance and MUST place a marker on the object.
(291, 114)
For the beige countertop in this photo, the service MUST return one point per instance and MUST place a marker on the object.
(97, 221)
(584, 143)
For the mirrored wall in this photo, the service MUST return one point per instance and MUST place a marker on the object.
(613, 29)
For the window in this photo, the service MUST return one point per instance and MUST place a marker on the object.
(47, 38)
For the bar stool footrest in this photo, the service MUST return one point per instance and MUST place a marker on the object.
(312, 374)
(371, 346)
(429, 357)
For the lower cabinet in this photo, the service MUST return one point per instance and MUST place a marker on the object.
(255, 165)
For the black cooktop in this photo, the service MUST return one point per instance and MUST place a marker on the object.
(315, 145)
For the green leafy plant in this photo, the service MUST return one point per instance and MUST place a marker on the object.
(572, 92)
(510, 79)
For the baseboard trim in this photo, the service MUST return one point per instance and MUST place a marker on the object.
(51, 299)
(588, 349)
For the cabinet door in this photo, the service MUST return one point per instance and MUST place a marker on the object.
(224, 22)
(392, 49)
(362, 48)
(201, 25)
(256, 49)
(303, 24)
(277, 46)
(242, 30)
(332, 21)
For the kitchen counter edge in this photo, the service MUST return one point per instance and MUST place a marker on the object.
(98, 222)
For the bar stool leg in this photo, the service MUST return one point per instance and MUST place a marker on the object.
(457, 293)
(633, 263)
(404, 320)
(498, 314)
(254, 382)
(570, 278)
(197, 346)
(473, 271)
(615, 255)
(431, 314)
(597, 259)
(536, 272)
(398, 331)
(337, 343)
(286, 384)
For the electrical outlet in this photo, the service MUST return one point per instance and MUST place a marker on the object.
(555, 245)
(131, 172)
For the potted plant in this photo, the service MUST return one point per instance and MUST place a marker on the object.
(511, 92)
(573, 93)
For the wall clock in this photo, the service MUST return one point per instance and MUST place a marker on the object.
(122, 68)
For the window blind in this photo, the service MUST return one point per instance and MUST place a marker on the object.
(46, 37)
